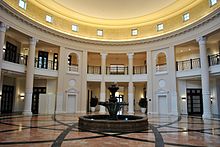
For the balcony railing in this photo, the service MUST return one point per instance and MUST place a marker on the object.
(117, 70)
(49, 64)
(140, 69)
(17, 58)
(93, 69)
(73, 68)
(188, 64)
(214, 59)
(161, 67)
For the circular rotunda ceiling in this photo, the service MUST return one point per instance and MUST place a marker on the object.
(114, 9)
(115, 12)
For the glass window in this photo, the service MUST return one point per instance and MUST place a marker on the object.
(134, 32)
(49, 18)
(75, 28)
(160, 27)
(185, 16)
(213, 2)
(22, 4)
(99, 32)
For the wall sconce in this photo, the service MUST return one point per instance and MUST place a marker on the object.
(22, 96)
(0, 96)
(184, 99)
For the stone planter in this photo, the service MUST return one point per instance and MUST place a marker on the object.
(93, 109)
(143, 110)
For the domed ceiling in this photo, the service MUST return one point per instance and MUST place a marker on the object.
(114, 12)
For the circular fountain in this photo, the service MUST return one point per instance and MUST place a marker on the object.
(113, 122)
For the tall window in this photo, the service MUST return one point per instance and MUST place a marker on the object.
(22, 4)
(161, 63)
(73, 62)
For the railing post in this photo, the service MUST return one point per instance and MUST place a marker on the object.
(176, 66)
(209, 61)
(191, 64)
(218, 58)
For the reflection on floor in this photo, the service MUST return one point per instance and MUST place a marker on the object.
(62, 130)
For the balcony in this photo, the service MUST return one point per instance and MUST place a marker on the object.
(46, 64)
(140, 69)
(214, 59)
(73, 68)
(15, 58)
(161, 68)
(188, 64)
(117, 70)
(94, 69)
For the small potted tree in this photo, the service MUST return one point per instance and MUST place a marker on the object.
(93, 103)
(143, 104)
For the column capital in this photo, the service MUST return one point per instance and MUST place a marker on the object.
(3, 27)
(33, 40)
(201, 40)
(130, 55)
(103, 54)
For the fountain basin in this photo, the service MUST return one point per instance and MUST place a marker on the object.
(124, 123)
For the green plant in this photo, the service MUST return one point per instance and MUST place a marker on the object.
(93, 101)
(143, 103)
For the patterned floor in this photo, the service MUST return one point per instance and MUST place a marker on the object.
(62, 130)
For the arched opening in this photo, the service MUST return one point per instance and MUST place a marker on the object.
(73, 62)
(161, 63)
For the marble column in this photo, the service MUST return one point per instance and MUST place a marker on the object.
(29, 77)
(172, 71)
(130, 84)
(149, 83)
(3, 29)
(102, 86)
(205, 78)
(83, 103)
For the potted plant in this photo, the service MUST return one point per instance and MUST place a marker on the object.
(93, 103)
(143, 104)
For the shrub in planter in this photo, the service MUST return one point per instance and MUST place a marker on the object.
(93, 101)
(143, 103)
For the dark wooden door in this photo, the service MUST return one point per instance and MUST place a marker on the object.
(7, 99)
(35, 98)
(10, 52)
(194, 102)
(42, 59)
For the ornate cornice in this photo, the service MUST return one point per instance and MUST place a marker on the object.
(211, 17)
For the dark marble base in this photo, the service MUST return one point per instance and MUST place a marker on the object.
(125, 123)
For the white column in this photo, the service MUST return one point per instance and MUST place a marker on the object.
(172, 70)
(130, 98)
(3, 29)
(205, 77)
(149, 83)
(29, 77)
(83, 105)
(130, 84)
(102, 86)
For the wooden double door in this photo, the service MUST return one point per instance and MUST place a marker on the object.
(35, 98)
(7, 99)
(194, 101)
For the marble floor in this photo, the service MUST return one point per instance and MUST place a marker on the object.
(62, 130)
